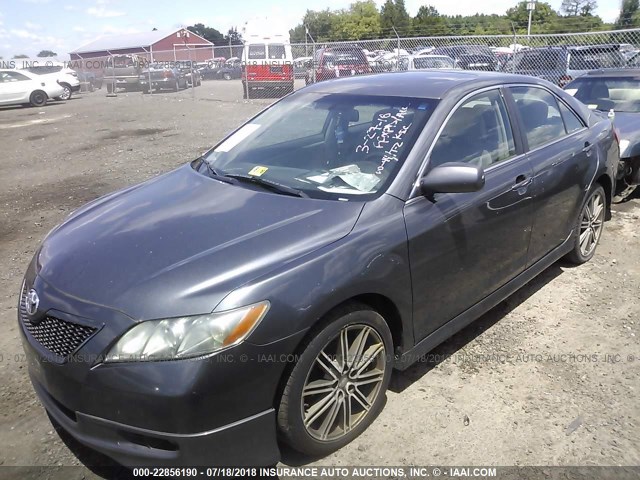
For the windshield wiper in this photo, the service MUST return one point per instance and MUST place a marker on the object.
(213, 173)
(273, 186)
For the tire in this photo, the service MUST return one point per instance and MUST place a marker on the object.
(588, 226)
(624, 194)
(326, 429)
(38, 98)
(110, 88)
(176, 87)
(226, 76)
(145, 90)
(199, 83)
(66, 95)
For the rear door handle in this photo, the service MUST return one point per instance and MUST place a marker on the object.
(587, 148)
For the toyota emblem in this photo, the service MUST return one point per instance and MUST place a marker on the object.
(31, 302)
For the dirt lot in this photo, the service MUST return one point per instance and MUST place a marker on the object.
(549, 377)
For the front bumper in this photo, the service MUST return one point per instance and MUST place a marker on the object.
(164, 84)
(268, 84)
(227, 445)
(215, 410)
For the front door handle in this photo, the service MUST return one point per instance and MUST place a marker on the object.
(522, 182)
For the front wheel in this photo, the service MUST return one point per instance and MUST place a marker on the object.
(337, 387)
(588, 227)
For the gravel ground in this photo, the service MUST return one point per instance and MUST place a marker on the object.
(549, 377)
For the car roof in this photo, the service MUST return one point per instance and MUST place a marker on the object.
(598, 46)
(614, 72)
(419, 84)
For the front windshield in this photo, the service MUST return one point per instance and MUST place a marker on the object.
(336, 146)
(344, 57)
(595, 58)
(622, 94)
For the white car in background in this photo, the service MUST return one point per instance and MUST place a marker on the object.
(19, 87)
(66, 77)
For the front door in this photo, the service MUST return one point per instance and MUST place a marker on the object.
(464, 246)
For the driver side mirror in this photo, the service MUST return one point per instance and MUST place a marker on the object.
(452, 177)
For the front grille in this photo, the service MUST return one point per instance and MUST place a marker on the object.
(56, 335)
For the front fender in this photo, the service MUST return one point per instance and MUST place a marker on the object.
(372, 259)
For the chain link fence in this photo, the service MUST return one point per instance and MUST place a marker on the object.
(239, 72)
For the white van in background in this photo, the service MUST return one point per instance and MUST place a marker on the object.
(267, 62)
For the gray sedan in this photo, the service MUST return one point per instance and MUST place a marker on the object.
(268, 289)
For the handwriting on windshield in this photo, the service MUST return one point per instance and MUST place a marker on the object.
(387, 135)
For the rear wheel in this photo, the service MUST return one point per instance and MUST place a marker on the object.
(588, 227)
(226, 76)
(38, 98)
(337, 387)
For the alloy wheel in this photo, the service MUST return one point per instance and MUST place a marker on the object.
(343, 383)
(66, 94)
(591, 224)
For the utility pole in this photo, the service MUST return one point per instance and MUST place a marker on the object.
(398, 50)
(531, 6)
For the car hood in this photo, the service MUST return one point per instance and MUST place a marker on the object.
(628, 126)
(178, 244)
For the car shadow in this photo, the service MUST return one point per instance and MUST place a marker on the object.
(401, 380)
(49, 103)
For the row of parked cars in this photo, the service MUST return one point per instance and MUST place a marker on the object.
(559, 64)
(135, 73)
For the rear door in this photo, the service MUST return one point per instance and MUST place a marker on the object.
(563, 159)
(464, 246)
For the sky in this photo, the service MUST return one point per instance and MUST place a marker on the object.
(28, 26)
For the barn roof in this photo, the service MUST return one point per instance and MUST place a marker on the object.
(128, 41)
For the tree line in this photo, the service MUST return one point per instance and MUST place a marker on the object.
(362, 20)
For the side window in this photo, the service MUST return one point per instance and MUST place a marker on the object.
(571, 121)
(13, 77)
(540, 115)
(478, 132)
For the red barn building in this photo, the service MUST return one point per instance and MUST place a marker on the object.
(157, 46)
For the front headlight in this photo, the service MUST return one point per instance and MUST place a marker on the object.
(185, 337)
